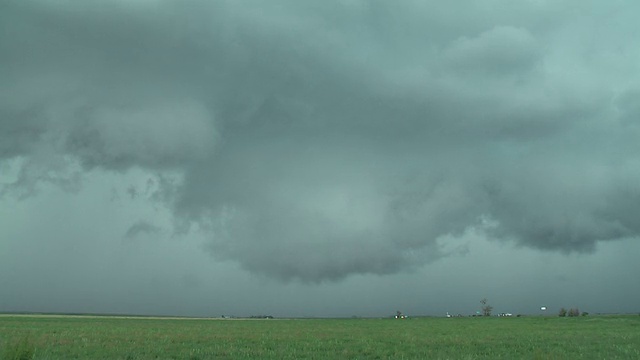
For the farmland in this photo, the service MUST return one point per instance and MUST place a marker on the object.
(77, 337)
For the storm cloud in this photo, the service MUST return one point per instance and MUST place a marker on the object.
(312, 141)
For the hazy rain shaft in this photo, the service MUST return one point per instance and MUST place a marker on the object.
(314, 141)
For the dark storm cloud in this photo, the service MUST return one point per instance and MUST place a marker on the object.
(321, 140)
(19, 131)
(147, 137)
(141, 227)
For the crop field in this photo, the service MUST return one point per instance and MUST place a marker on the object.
(535, 337)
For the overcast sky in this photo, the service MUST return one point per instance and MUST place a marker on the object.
(319, 158)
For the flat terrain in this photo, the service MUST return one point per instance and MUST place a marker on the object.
(72, 337)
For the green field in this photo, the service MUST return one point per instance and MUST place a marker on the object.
(70, 337)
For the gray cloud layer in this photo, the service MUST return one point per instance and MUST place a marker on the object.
(321, 140)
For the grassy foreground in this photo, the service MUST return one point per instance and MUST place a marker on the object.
(69, 337)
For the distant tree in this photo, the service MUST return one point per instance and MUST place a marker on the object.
(563, 312)
(574, 312)
(486, 308)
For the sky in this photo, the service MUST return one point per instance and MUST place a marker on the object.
(319, 158)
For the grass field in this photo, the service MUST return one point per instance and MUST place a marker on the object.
(70, 337)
